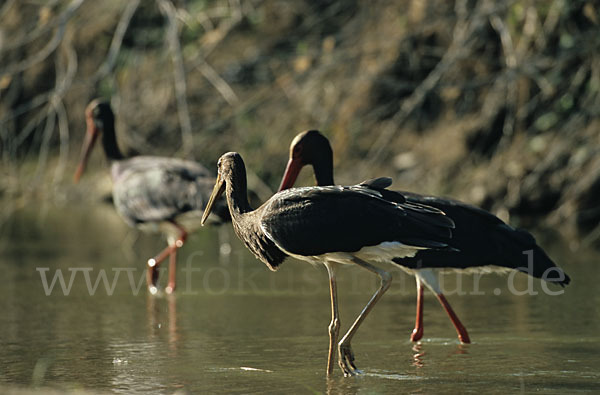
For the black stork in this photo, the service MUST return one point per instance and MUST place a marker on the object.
(151, 193)
(484, 241)
(332, 225)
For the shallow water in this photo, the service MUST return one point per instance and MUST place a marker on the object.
(236, 327)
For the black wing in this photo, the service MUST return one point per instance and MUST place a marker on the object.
(484, 239)
(317, 220)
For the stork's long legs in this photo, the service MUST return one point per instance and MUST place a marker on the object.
(427, 277)
(463, 336)
(346, 356)
(417, 333)
(154, 263)
(172, 271)
(334, 326)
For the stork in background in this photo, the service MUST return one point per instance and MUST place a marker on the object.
(152, 193)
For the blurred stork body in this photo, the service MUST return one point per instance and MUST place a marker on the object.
(151, 193)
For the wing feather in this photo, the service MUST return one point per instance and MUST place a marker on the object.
(317, 220)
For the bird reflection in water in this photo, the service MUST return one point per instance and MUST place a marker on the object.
(418, 355)
(462, 349)
(337, 386)
(156, 308)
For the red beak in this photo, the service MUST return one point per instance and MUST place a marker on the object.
(90, 138)
(291, 173)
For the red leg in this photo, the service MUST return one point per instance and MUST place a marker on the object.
(172, 263)
(417, 333)
(463, 336)
(154, 263)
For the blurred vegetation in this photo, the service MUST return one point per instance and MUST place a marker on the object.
(492, 102)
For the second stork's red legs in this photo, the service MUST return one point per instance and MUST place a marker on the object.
(417, 333)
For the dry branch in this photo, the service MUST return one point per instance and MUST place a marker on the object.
(187, 140)
(48, 48)
(117, 40)
(465, 29)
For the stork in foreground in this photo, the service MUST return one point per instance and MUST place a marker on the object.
(483, 240)
(150, 192)
(332, 225)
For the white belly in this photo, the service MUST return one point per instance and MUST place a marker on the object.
(383, 252)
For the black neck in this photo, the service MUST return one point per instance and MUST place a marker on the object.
(246, 221)
(236, 193)
(324, 171)
(322, 162)
(109, 141)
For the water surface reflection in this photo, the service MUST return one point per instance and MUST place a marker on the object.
(236, 327)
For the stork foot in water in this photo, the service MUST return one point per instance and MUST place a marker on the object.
(346, 355)
(154, 263)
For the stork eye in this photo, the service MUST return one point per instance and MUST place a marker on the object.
(297, 150)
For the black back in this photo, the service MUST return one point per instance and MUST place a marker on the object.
(317, 220)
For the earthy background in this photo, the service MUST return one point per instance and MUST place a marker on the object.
(492, 102)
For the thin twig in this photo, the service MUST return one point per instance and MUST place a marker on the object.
(219, 34)
(117, 40)
(219, 83)
(63, 133)
(48, 48)
(509, 98)
(505, 39)
(464, 30)
(48, 130)
(5, 7)
(168, 9)
(41, 30)
(58, 108)
(531, 29)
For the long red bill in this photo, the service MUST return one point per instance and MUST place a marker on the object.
(88, 144)
(291, 174)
